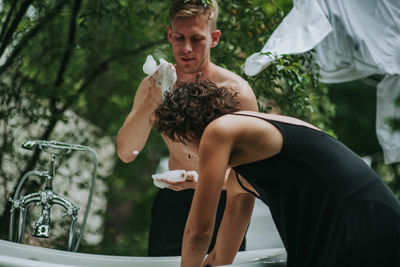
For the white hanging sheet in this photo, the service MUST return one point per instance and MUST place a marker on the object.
(352, 39)
(301, 30)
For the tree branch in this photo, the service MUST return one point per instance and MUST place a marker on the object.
(31, 34)
(103, 66)
(18, 17)
(70, 43)
(5, 24)
(66, 57)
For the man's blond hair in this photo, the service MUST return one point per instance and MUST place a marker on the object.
(194, 8)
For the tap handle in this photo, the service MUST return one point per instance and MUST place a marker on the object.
(46, 145)
(30, 144)
(52, 147)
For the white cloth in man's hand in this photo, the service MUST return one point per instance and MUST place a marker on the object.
(172, 176)
(164, 74)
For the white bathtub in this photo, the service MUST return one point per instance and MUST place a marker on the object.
(20, 255)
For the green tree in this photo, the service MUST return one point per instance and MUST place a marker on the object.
(75, 56)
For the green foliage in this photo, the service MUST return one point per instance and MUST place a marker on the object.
(130, 195)
(245, 28)
(395, 122)
(290, 83)
(389, 173)
(356, 111)
(204, 2)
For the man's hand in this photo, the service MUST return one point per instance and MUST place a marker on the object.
(153, 85)
(189, 183)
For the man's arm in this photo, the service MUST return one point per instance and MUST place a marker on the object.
(136, 128)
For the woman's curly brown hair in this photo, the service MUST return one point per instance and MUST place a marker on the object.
(185, 111)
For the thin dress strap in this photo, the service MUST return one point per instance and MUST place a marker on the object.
(251, 115)
(246, 189)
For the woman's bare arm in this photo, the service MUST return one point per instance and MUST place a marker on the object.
(238, 210)
(215, 148)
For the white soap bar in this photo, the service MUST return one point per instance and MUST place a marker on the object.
(194, 174)
(150, 66)
(166, 72)
(166, 76)
(172, 176)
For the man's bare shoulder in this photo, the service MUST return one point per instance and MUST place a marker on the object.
(247, 98)
(224, 77)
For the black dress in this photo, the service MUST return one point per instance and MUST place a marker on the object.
(330, 208)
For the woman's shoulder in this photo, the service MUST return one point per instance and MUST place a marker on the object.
(248, 134)
(229, 122)
(222, 128)
(221, 125)
(277, 117)
(229, 126)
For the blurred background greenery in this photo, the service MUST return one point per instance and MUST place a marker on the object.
(69, 70)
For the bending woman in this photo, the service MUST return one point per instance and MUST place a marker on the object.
(329, 207)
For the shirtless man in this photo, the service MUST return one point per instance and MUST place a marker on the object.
(192, 33)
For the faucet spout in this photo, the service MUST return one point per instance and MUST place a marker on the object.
(42, 225)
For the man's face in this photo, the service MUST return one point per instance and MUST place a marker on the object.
(191, 40)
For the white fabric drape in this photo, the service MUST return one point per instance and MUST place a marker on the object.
(352, 39)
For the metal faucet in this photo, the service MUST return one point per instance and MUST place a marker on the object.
(47, 198)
